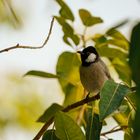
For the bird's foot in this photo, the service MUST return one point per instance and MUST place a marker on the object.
(87, 97)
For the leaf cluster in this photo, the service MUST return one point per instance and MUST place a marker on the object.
(116, 99)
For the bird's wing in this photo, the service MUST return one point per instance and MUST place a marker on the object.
(105, 69)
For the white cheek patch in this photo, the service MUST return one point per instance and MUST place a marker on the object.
(91, 58)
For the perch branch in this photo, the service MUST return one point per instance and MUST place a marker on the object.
(31, 47)
(66, 109)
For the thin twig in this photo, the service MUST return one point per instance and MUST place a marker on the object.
(131, 103)
(66, 109)
(115, 127)
(31, 47)
(113, 130)
(83, 37)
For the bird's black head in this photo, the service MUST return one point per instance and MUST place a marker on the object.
(89, 55)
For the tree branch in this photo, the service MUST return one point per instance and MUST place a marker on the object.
(31, 47)
(113, 130)
(66, 109)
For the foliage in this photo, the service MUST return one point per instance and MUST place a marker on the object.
(87, 122)
(66, 128)
(112, 95)
(113, 45)
(135, 65)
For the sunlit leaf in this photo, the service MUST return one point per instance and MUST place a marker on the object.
(120, 43)
(111, 97)
(88, 19)
(41, 74)
(111, 52)
(65, 11)
(123, 114)
(68, 69)
(50, 135)
(66, 128)
(123, 70)
(115, 34)
(93, 127)
(128, 136)
(50, 112)
(99, 38)
(121, 119)
(132, 98)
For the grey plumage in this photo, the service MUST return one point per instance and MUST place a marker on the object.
(93, 75)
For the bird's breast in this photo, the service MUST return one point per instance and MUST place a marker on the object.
(92, 77)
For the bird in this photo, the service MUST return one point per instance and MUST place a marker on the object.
(93, 71)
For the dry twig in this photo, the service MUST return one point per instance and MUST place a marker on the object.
(113, 130)
(31, 47)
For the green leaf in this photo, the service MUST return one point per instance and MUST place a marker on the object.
(111, 97)
(115, 34)
(134, 57)
(94, 126)
(132, 98)
(75, 39)
(88, 19)
(120, 24)
(66, 128)
(123, 70)
(111, 52)
(68, 31)
(65, 39)
(121, 119)
(100, 41)
(50, 135)
(68, 69)
(65, 11)
(50, 112)
(128, 134)
(119, 43)
(41, 74)
(99, 38)
(134, 54)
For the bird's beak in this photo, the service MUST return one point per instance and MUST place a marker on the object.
(80, 52)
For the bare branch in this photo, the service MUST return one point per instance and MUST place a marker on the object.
(114, 130)
(31, 47)
(66, 109)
